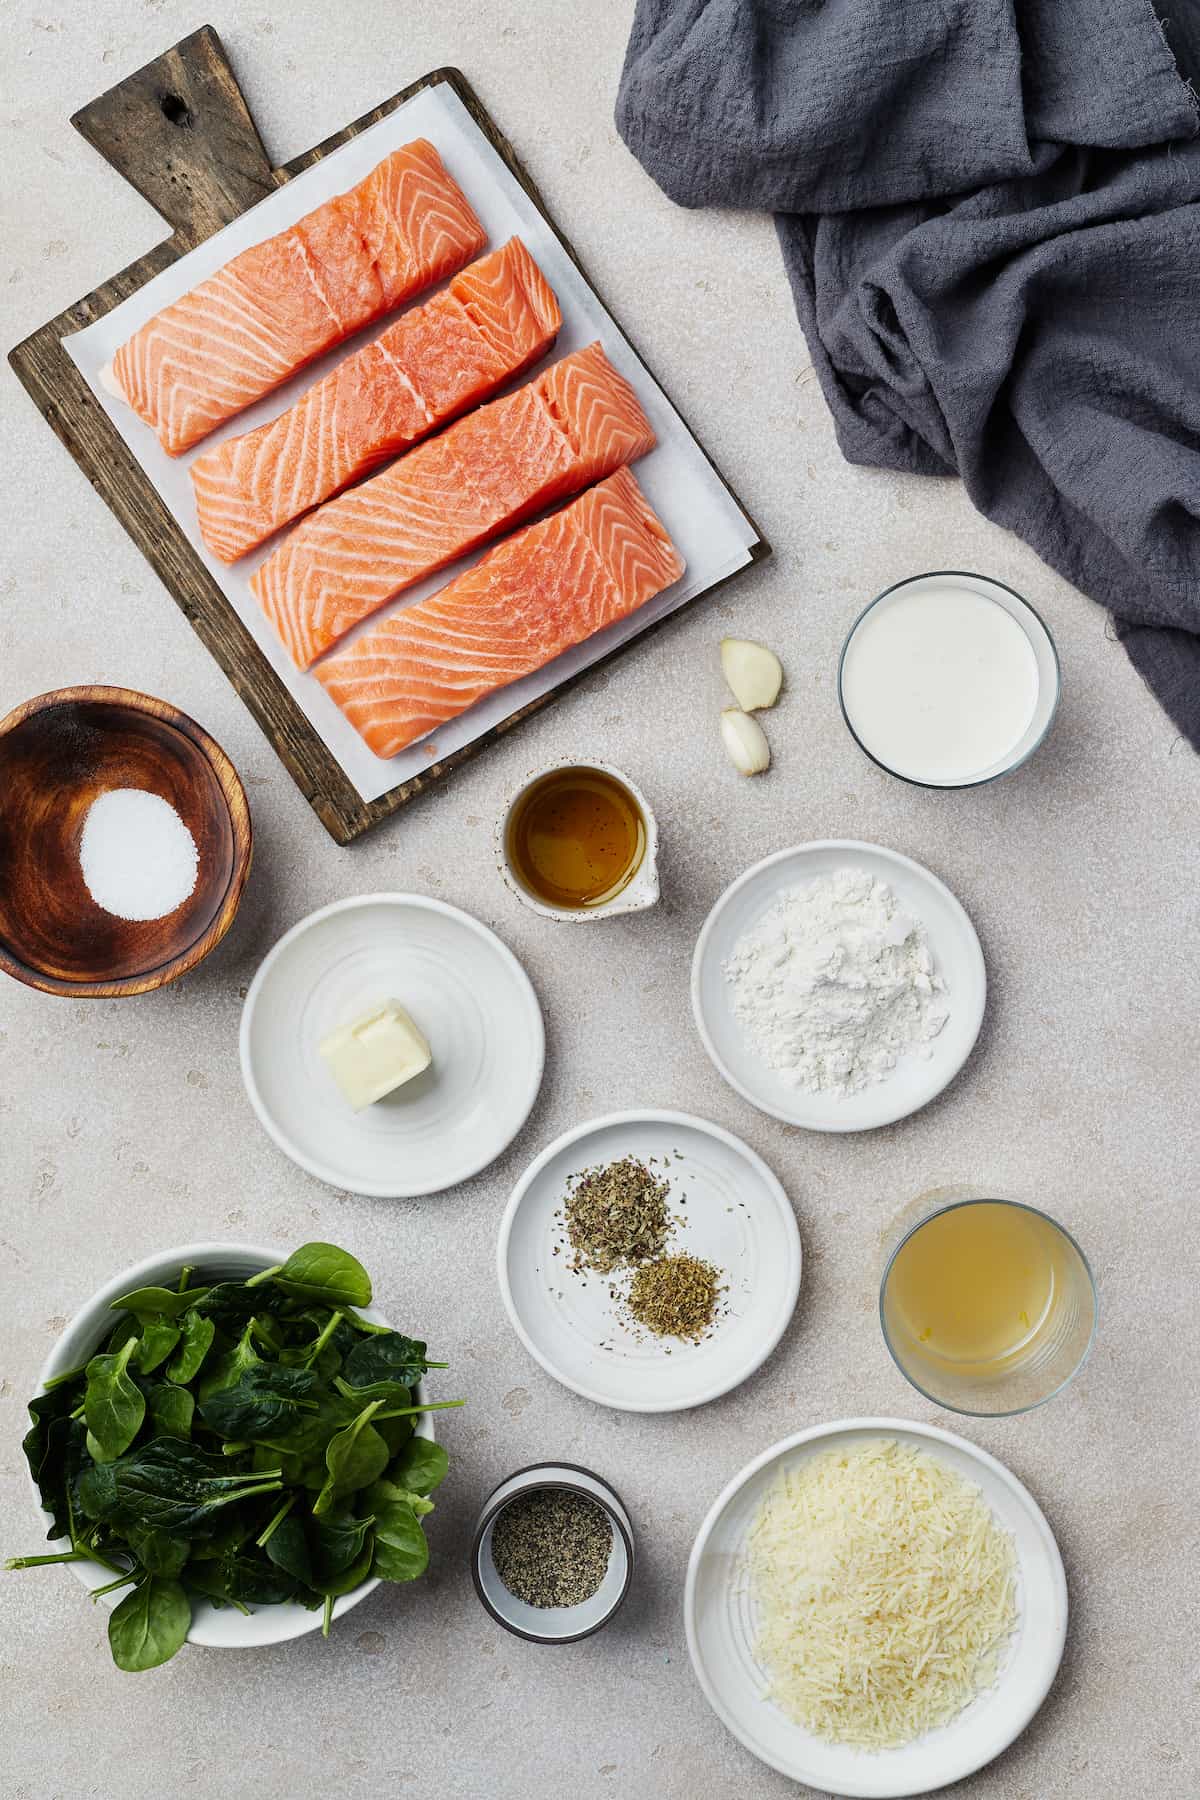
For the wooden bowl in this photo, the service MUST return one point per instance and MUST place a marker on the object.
(58, 753)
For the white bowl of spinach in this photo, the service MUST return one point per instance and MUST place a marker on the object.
(232, 1446)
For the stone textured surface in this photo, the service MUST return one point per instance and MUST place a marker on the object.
(123, 1126)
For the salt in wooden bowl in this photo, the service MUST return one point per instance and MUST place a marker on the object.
(59, 753)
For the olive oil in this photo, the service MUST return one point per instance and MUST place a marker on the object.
(576, 838)
(975, 1286)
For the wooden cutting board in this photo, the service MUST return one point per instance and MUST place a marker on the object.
(180, 131)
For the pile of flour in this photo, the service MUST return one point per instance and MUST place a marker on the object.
(835, 983)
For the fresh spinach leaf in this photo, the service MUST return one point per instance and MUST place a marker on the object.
(338, 1541)
(168, 1484)
(287, 1548)
(264, 1400)
(157, 1551)
(321, 1272)
(113, 1406)
(230, 1367)
(420, 1466)
(53, 1440)
(196, 1335)
(386, 1356)
(171, 1409)
(158, 1302)
(159, 1337)
(401, 1547)
(354, 1457)
(150, 1624)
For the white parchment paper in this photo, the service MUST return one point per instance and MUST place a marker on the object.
(711, 532)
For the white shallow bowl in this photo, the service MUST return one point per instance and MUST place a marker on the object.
(469, 995)
(720, 1624)
(915, 1080)
(737, 1217)
(217, 1627)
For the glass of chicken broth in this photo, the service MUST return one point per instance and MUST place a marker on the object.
(580, 842)
(988, 1306)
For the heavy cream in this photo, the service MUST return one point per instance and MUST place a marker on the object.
(939, 682)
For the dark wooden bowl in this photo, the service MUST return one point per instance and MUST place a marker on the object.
(58, 753)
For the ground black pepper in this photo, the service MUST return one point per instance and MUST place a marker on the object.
(551, 1547)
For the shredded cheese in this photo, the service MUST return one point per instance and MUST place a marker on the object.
(884, 1590)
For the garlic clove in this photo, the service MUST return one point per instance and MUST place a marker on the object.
(745, 742)
(754, 673)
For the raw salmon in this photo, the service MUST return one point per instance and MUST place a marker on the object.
(491, 323)
(283, 302)
(532, 597)
(571, 425)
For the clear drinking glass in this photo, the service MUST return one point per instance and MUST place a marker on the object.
(988, 1306)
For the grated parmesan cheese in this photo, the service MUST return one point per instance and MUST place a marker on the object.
(884, 1590)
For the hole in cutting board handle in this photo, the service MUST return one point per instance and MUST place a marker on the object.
(175, 110)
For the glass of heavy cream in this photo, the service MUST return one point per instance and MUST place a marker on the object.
(949, 679)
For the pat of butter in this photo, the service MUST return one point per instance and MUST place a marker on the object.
(375, 1055)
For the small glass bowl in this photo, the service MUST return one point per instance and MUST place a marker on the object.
(1022, 1382)
(1040, 642)
(553, 1624)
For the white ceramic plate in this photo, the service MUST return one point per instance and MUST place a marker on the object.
(720, 1625)
(216, 1627)
(738, 1218)
(915, 1080)
(466, 991)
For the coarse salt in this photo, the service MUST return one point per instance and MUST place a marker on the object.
(138, 858)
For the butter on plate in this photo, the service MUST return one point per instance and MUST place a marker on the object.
(376, 1054)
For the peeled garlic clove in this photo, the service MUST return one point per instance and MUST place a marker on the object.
(754, 673)
(745, 742)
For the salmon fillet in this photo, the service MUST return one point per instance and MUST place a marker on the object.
(281, 303)
(491, 323)
(546, 588)
(571, 425)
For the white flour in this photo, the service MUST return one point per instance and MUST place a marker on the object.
(835, 983)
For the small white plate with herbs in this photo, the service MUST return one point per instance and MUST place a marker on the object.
(648, 1260)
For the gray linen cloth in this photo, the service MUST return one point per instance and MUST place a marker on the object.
(990, 216)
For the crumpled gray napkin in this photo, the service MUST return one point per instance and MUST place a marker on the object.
(990, 215)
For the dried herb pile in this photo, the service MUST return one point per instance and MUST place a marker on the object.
(675, 1296)
(618, 1221)
(615, 1215)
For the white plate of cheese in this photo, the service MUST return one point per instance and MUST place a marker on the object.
(466, 994)
(722, 1625)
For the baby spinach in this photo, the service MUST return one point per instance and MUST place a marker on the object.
(150, 1624)
(287, 1548)
(113, 1405)
(387, 1356)
(354, 1457)
(195, 1341)
(171, 1410)
(159, 1302)
(420, 1466)
(252, 1442)
(401, 1547)
(320, 1272)
(157, 1550)
(159, 1337)
(263, 1400)
(169, 1484)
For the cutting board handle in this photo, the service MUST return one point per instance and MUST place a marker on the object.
(181, 133)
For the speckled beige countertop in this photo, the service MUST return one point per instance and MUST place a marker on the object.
(123, 1125)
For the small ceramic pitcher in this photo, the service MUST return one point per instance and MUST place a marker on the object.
(639, 892)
